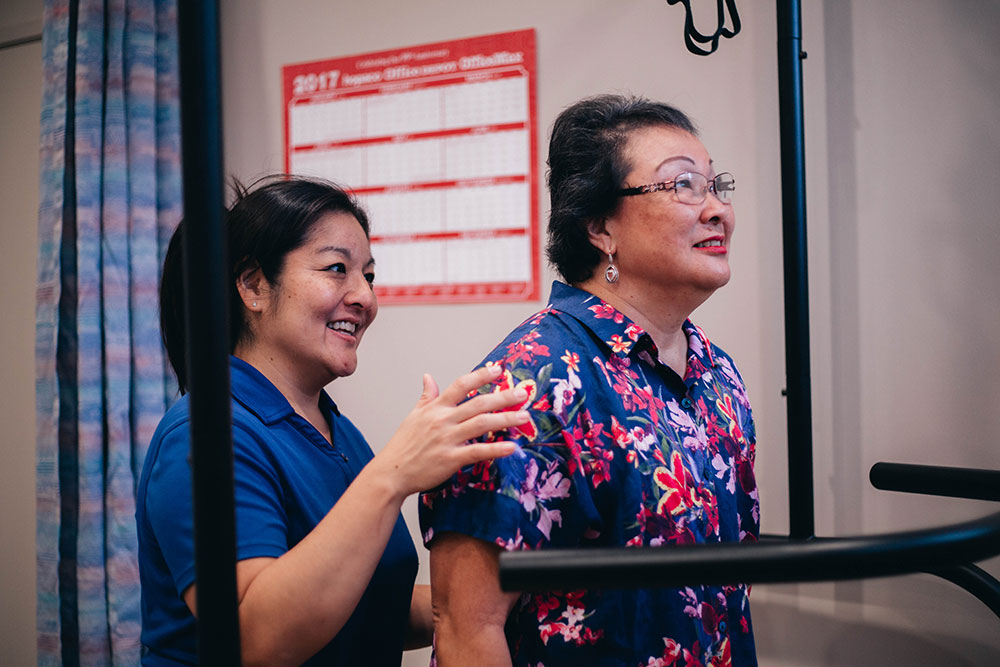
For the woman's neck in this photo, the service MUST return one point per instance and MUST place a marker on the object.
(661, 317)
(302, 396)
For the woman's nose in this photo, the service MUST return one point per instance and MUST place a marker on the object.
(361, 293)
(714, 210)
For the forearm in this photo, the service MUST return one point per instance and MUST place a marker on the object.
(458, 643)
(470, 609)
(295, 605)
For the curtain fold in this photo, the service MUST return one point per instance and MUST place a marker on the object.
(110, 197)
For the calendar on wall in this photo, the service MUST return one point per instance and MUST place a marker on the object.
(438, 142)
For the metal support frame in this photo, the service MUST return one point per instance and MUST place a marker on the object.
(207, 322)
(793, 206)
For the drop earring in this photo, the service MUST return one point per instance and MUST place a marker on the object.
(611, 273)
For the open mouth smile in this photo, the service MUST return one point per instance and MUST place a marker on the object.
(343, 326)
(715, 246)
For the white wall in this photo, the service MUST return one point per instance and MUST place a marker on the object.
(20, 104)
(903, 148)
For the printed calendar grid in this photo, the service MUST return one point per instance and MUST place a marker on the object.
(445, 163)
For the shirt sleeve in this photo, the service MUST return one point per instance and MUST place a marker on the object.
(260, 519)
(539, 496)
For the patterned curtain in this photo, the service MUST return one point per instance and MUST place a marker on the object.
(110, 196)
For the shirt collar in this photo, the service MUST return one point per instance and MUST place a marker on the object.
(616, 331)
(256, 393)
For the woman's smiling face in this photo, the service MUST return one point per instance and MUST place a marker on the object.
(313, 319)
(662, 243)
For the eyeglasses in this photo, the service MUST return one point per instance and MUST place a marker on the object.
(691, 188)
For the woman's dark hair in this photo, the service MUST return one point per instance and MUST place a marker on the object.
(587, 167)
(267, 220)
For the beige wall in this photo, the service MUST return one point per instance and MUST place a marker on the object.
(20, 103)
(903, 149)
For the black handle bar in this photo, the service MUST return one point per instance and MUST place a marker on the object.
(816, 559)
(936, 550)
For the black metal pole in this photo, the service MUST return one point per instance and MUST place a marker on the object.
(793, 208)
(206, 315)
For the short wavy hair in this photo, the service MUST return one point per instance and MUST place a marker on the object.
(587, 167)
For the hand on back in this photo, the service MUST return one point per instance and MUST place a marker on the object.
(432, 442)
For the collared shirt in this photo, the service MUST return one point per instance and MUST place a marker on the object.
(619, 451)
(287, 477)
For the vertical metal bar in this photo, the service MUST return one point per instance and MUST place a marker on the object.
(793, 206)
(206, 315)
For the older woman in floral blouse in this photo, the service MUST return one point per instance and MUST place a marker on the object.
(641, 433)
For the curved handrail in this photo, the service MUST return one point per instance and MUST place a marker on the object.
(953, 483)
(974, 580)
(816, 559)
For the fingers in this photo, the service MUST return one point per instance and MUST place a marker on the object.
(430, 391)
(490, 402)
(475, 452)
(461, 387)
(490, 421)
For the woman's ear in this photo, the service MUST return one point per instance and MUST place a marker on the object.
(600, 236)
(253, 287)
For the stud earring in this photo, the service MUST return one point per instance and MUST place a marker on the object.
(611, 273)
(254, 304)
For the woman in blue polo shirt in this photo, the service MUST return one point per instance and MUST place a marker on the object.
(640, 433)
(325, 565)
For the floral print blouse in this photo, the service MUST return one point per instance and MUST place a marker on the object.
(619, 451)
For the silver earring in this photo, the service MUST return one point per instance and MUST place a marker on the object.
(611, 273)
(254, 304)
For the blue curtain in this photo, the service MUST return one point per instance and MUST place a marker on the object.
(110, 197)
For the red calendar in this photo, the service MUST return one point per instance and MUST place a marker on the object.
(439, 144)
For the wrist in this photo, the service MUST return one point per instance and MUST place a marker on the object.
(387, 479)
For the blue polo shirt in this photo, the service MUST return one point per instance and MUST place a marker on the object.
(287, 477)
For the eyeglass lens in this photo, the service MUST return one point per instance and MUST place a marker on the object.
(692, 188)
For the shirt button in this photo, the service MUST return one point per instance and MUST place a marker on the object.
(686, 402)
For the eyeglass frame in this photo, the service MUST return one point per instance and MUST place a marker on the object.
(666, 186)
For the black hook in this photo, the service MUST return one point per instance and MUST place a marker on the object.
(692, 37)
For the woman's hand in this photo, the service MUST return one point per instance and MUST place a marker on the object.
(432, 442)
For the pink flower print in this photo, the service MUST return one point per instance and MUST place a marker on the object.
(546, 605)
(619, 345)
(680, 494)
(525, 349)
(726, 407)
(572, 360)
(603, 311)
(546, 518)
(513, 544)
(671, 650)
(722, 469)
(554, 486)
(563, 393)
(634, 331)
(621, 435)
(506, 381)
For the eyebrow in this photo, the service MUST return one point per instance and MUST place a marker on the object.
(680, 157)
(346, 252)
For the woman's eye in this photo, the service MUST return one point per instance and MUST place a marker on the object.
(683, 182)
(370, 277)
(339, 267)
